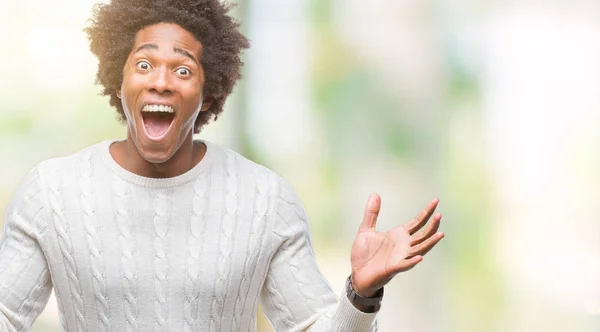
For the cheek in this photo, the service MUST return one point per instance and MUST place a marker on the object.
(195, 100)
(128, 88)
(127, 105)
(124, 102)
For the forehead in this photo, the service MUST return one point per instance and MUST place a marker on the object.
(168, 35)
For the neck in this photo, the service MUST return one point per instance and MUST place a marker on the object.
(185, 158)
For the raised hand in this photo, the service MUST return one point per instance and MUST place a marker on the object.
(377, 257)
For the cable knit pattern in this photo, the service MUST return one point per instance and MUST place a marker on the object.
(280, 303)
(21, 258)
(225, 241)
(291, 206)
(65, 246)
(38, 292)
(61, 318)
(301, 278)
(255, 241)
(127, 247)
(93, 242)
(194, 252)
(13, 255)
(197, 229)
(161, 261)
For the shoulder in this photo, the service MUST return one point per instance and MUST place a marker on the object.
(27, 204)
(230, 161)
(26, 209)
(286, 210)
(285, 202)
(69, 164)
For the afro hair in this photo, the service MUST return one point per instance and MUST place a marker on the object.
(113, 27)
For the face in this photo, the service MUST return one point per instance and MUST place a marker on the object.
(162, 90)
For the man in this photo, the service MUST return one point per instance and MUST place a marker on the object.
(160, 232)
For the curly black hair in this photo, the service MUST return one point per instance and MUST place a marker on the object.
(113, 27)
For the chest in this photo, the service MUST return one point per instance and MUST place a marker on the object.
(158, 246)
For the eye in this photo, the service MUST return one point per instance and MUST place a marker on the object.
(143, 65)
(182, 71)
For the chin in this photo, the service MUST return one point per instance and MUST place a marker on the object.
(158, 157)
(155, 152)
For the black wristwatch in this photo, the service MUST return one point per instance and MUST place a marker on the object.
(372, 303)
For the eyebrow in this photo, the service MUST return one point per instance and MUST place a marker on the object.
(146, 47)
(184, 53)
(176, 49)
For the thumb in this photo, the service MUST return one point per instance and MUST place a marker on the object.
(371, 212)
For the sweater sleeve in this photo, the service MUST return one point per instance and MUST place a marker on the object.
(25, 282)
(296, 296)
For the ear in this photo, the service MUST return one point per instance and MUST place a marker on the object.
(119, 93)
(206, 104)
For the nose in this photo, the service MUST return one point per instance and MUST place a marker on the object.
(160, 81)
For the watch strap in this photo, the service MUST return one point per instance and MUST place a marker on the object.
(374, 301)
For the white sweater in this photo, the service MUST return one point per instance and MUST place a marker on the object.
(191, 253)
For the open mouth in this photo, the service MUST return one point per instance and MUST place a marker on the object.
(157, 120)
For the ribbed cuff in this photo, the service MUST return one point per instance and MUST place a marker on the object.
(352, 319)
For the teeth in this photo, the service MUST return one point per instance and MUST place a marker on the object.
(158, 108)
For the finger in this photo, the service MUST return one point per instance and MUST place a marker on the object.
(424, 247)
(407, 264)
(421, 219)
(428, 231)
(371, 212)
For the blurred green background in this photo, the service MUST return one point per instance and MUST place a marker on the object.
(492, 106)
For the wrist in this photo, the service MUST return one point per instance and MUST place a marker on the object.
(363, 292)
(368, 304)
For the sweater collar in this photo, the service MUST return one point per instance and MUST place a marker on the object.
(114, 167)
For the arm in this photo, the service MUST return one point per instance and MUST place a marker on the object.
(296, 296)
(25, 283)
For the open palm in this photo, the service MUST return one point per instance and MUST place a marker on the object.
(377, 257)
